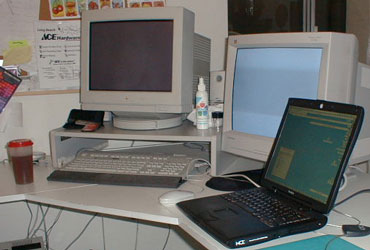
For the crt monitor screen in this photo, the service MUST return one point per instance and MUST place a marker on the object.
(264, 70)
(264, 79)
(136, 57)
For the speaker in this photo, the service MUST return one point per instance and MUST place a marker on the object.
(217, 86)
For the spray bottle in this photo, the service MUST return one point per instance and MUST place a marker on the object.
(201, 103)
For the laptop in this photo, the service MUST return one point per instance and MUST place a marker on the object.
(300, 180)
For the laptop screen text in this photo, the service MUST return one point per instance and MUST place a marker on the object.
(308, 162)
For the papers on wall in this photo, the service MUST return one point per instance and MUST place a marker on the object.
(67, 9)
(58, 54)
(17, 24)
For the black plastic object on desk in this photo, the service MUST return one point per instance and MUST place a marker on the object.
(235, 183)
(78, 118)
(116, 179)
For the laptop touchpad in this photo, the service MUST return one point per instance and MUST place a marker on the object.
(224, 213)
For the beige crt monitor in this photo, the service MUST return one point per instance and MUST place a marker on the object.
(142, 64)
(264, 70)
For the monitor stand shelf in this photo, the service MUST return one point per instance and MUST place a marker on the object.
(65, 144)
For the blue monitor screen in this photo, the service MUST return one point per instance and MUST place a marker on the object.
(265, 78)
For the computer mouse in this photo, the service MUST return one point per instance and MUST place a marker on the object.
(172, 197)
(355, 230)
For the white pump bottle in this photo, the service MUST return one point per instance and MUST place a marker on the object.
(201, 103)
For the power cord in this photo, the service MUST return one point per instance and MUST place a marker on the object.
(194, 145)
(137, 233)
(167, 238)
(349, 230)
(42, 220)
(31, 217)
(103, 231)
(228, 176)
(191, 165)
(55, 221)
(348, 215)
(45, 231)
(83, 230)
(332, 240)
(351, 196)
(344, 182)
(31, 229)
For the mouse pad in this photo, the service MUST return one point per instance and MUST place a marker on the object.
(235, 184)
(318, 243)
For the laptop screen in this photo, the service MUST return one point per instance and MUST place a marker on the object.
(308, 155)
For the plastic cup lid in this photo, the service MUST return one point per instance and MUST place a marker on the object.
(20, 143)
(217, 114)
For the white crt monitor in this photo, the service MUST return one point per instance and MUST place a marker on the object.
(264, 70)
(138, 63)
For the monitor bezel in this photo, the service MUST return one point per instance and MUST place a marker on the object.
(179, 100)
(333, 81)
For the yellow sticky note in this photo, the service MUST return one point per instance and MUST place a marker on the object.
(18, 43)
(18, 55)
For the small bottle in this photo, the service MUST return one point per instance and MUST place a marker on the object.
(201, 105)
(217, 119)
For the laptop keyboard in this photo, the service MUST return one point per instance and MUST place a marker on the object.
(268, 209)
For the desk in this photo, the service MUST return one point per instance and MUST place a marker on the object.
(143, 203)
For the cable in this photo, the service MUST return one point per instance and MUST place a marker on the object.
(4, 161)
(31, 217)
(193, 145)
(333, 225)
(34, 223)
(103, 231)
(45, 231)
(357, 168)
(167, 238)
(42, 220)
(55, 221)
(132, 146)
(81, 150)
(83, 230)
(348, 215)
(351, 196)
(239, 175)
(345, 181)
(190, 166)
(344, 214)
(331, 240)
(137, 233)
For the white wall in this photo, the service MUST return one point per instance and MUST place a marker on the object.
(42, 113)
(103, 232)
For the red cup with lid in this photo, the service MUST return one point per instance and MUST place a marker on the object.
(20, 154)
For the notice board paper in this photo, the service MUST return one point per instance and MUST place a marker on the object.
(58, 54)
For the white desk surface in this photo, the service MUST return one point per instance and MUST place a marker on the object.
(142, 203)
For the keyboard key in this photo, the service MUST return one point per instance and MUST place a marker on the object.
(268, 209)
(125, 168)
